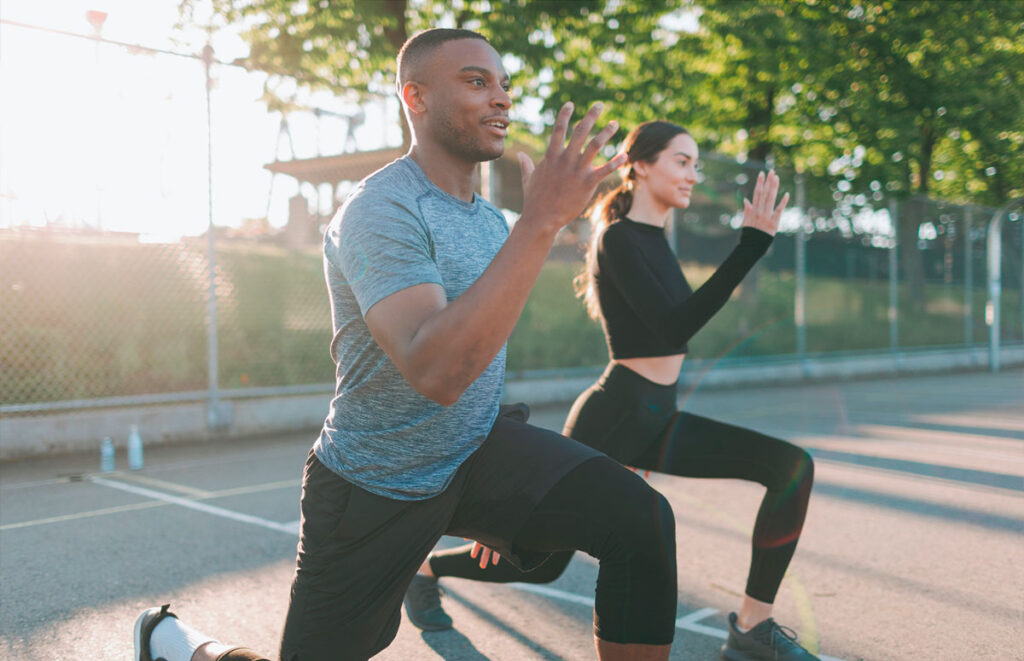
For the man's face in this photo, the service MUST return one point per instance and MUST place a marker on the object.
(466, 95)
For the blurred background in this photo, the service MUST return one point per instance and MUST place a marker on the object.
(167, 168)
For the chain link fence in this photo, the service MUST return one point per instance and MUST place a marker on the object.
(91, 314)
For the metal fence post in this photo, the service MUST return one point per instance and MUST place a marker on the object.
(894, 295)
(994, 255)
(215, 416)
(799, 305)
(968, 276)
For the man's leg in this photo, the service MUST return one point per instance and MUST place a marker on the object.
(357, 554)
(613, 515)
(532, 491)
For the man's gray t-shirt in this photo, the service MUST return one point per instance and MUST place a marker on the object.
(397, 230)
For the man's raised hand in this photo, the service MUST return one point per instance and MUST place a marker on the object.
(557, 189)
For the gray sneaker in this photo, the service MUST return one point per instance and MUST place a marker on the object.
(423, 604)
(768, 641)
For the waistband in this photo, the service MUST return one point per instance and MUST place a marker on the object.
(618, 377)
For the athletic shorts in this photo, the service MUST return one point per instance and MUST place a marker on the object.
(358, 551)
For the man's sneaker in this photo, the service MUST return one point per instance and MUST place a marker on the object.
(768, 641)
(423, 604)
(144, 626)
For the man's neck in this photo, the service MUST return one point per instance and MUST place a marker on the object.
(453, 175)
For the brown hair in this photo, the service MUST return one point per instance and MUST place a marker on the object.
(643, 144)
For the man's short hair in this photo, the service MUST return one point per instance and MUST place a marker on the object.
(418, 47)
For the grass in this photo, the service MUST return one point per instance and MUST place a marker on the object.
(84, 320)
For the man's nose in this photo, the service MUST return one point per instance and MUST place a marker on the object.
(502, 99)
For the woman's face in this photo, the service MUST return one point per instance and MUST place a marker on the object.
(670, 179)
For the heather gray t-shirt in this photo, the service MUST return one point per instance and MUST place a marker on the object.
(396, 230)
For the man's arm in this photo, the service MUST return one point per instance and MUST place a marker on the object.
(441, 348)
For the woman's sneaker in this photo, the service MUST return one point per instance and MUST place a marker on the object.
(423, 604)
(768, 641)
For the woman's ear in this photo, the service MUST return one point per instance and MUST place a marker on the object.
(640, 170)
(412, 97)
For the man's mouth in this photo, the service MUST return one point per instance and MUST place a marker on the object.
(499, 125)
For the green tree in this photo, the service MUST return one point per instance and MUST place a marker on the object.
(923, 98)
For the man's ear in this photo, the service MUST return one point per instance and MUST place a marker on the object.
(412, 97)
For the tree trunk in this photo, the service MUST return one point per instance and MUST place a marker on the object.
(914, 211)
(397, 35)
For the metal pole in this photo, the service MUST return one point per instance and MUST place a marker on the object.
(214, 420)
(968, 277)
(894, 298)
(994, 254)
(799, 305)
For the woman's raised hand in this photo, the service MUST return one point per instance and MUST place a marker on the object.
(761, 213)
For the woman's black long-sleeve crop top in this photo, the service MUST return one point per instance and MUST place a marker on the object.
(647, 307)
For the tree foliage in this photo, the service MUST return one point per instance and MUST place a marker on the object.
(907, 96)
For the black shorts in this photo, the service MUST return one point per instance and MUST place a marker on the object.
(358, 551)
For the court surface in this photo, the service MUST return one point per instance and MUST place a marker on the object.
(912, 548)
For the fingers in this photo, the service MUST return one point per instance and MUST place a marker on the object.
(778, 211)
(557, 141)
(758, 195)
(484, 557)
(495, 557)
(611, 166)
(583, 128)
(526, 167)
(599, 141)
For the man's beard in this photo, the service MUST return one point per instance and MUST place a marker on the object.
(458, 143)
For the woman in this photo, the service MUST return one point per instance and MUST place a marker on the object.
(633, 285)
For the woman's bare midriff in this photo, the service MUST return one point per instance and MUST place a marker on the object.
(659, 369)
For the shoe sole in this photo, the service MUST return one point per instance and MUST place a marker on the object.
(140, 624)
(736, 655)
(138, 632)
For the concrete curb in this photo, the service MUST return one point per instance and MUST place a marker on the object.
(82, 430)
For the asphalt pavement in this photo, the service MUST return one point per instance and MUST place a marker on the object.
(912, 547)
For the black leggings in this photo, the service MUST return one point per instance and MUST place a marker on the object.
(635, 422)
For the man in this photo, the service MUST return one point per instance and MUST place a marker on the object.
(426, 284)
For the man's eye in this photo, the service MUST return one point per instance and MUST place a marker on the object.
(479, 82)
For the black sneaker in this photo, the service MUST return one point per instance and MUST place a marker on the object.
(144, 626)
(768, 641)
(423, 604)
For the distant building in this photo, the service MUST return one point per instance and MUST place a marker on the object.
(500, 177)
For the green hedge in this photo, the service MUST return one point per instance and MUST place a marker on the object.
(82, 320)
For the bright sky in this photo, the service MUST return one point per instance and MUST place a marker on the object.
(105, 137)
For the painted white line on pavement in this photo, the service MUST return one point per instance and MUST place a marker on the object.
(164, 484)
(80, 515)
(686, 623)
(689, 623)
(199, 507)
(553, 593)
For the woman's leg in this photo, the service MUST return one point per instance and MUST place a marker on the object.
(695, 446)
